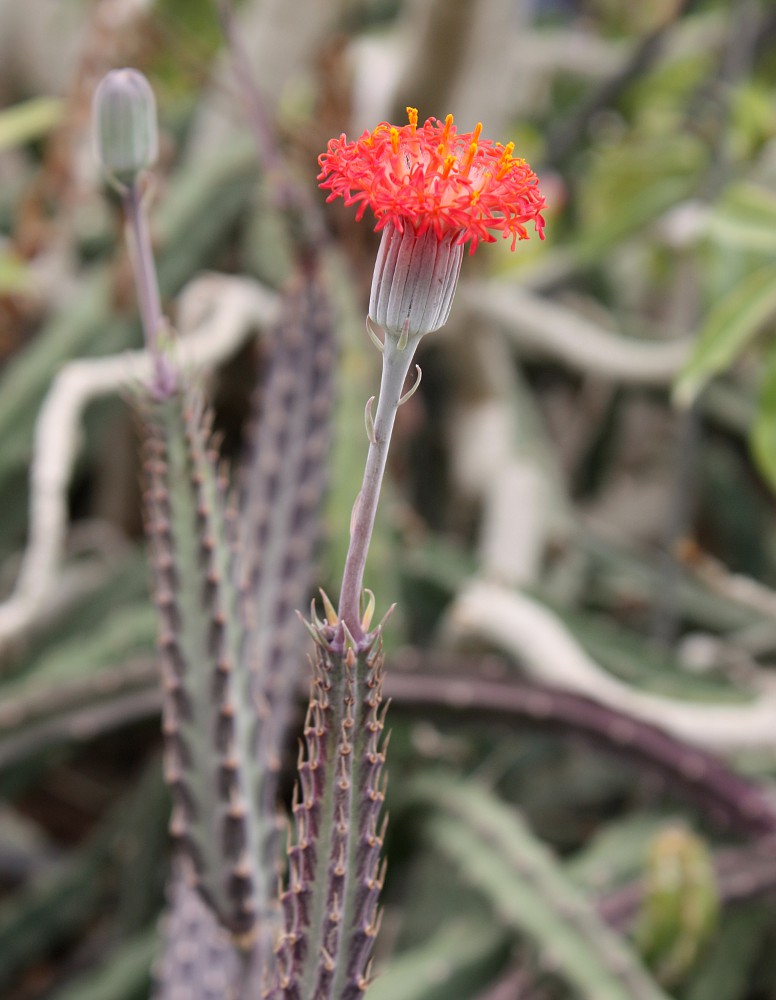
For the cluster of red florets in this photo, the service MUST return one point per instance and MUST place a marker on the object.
(434, 177)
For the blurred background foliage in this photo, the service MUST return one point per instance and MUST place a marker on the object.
(582, 490)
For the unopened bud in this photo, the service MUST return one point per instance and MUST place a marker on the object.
(414, 280)
(125, 129)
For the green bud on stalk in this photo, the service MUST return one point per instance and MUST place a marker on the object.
(125, 126)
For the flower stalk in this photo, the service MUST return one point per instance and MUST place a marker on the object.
(397, 358)
(127, 145)
(155, 328)
(432, 190)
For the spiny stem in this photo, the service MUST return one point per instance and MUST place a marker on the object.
(209, 762)
(335, 872)
(396, 364)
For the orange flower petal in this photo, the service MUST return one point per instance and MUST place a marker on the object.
(433, 177)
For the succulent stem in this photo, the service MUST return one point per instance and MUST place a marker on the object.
(335, 873)
(209, 744)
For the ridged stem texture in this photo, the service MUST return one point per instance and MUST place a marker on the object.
(335, 874)
(283, 484)
(209, 761)
(283, 479)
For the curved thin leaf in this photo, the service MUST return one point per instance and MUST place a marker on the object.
(730, 325)
(453, 963)
(745, 219)
(529, 890)
(763, 434)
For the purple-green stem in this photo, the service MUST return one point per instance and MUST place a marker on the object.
(287, 193)
(396, 364)
(147, 284)
(259, 120)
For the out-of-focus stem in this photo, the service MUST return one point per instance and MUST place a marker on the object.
(665, 614)
(259, 120)
(396, 365)
(289, 195)
(147, 285)
(143, 265)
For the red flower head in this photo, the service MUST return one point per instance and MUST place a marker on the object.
(435, 178)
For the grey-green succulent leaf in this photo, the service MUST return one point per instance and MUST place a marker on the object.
(495, 851)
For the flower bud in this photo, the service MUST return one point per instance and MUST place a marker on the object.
(124, 116)
(414, 280)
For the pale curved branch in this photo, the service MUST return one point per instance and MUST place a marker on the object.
(554, 331)
(548, 652)
(236, 307)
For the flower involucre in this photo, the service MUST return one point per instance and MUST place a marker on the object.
(434, 177)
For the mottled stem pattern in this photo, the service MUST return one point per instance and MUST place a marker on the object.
(283, 483)
(198, 960)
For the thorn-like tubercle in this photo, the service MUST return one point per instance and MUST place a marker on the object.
(328, 607)
(369, 420)
(369, 611)
(385, 618)
(348, 640)
(310, 628)
(370, 329)
(411, 392)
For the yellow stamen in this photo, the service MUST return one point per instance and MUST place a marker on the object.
(468, 159)
(449, 164)
(471, 151)
(412, 115)
(447, 129)
(395, 141)
(506, 161)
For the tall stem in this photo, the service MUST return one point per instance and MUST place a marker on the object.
(396, 365)
(147, 285)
